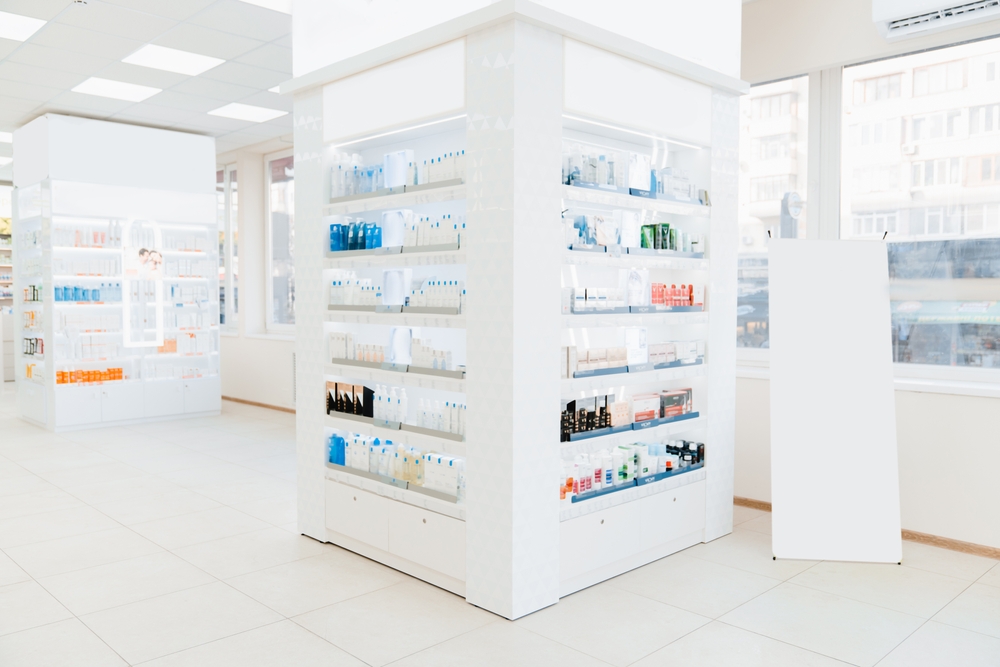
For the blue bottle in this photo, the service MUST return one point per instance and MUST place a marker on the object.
(95, 294)
(77, 293)
(85, 294)
(67, 293)
(336, 238)
(378, 236)
(59, 293)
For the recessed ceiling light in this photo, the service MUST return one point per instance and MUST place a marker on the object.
(247, 112)
(17, 27)
(6, 138)
(4, 161)
(117, 90)
(283, 6)
(172, 60)
(276, 89)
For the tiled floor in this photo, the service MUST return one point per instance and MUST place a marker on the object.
(174, 544)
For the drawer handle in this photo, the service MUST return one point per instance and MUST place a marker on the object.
(355, 498)
(602, 522)
(675, 500)
(424, 520)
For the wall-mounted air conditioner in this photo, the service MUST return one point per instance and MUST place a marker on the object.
(899, 19)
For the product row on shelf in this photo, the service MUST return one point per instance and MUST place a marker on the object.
(590, 475)
(91, 376)
(33, 347)
(397, 229)
(606, 414)
(402, 350)
(390, 407)
(635, 291)
(32, 293)
(627, 172)
(350, 176)
(103, 293)
(397, 288)
(636, 353)
(624, 228)
(399, 464)
(89, 234)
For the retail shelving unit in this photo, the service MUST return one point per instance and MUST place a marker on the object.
(6, 309)
(116, 284)
(509, 544)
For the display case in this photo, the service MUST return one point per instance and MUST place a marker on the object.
(516, 363)
(116, 286)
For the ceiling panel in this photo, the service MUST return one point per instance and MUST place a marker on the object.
(270, 100)
(245, 19)
(7, 46)
(172, 9)
(161, 113)
(46, 56)
(113, 20)
(270, 56)
(28, 91)
(208, 42)
(246, 137)
(12, 71)
(39, 9)
(184, 102)
(215, 124)
(144, 76)
(81, 40)
(219, 90)
(256, 78)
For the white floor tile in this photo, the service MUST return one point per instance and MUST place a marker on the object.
(10, 572)
(66, 554)
(36, 502)
(310, 583)
(124, 582)
(282, 644)
(249, 552)
(52, 525)
(834, 626)
(742, 514)
(67, 643)
(185, 530)
(499, 644)
(898, 587)
(587, 620)
(28, 605)
(992, 577)
(257, 487)
(107, 472)
(275, 511)
(65, 461)
(761, 524)
(750, 551)
(721, 645)
(131, 511)
(944, 561)
(699, 586)
(936, 644)
(169, 623)
(394, 622)
(128, 488)
(15, 485)
(249, 451)
(186, 460)
(214, 474)
(976, 609)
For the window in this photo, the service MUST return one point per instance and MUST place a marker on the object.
(281, 241)
(228, 217)
(877, 89)
(773, 139)
(943, 233)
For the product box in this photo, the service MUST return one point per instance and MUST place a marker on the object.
(567, 300)
(395, 166)
(617, 357)
(572, 359)
(675, 403)
(698, 296)
(331, 397)
(618, 412)
(345, 397)
(639, 171)
(645, 407)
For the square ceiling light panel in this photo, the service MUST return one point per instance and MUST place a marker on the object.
(172, 60)
(247, 112)
(18, 28)
(283, 6)
(116, 90)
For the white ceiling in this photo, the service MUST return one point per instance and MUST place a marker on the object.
(84, 40)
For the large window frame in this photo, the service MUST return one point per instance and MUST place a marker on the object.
(824, 222)
(272, 326)
(229, 230)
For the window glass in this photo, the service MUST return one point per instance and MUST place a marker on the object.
(234, 243)
(932, 190)
(773, 139)
(281, 201)
(220, 193)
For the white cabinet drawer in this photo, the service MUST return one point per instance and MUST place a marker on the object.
(121, 402)
(672, 514)
(427, 538)
(202, 394)
(78, 405)
(163, 398)
(358, 514)
(594, 540)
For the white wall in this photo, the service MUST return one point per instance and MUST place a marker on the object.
(255, 366)
(949, 452)
(783, 38)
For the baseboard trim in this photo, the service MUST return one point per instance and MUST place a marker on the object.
(258, 405)
(753, 504)
(908, 535)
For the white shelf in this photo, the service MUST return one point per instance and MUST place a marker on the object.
(591, 445)
(633, 320)
(626, 261)
(600, 383)
(454, 510)
(620, 200)
(571, 510)
(418, 440)
(402, 200)
(447, 257)
(397, 319)
(413, 379)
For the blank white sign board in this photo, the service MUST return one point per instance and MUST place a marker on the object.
(834, 466)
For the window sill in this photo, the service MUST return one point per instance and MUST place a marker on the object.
(911, 384)
(229, 333)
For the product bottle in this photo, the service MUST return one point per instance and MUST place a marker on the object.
(404, 405)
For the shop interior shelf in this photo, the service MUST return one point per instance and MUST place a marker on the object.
(622, 200)
(366, 426)
(397, 319)
(412, 377)
(641, 488)
(589, 383)
(574, 321)
(348, 260)
(429, 194)
(625, 261)
(659, 432)
(412, 495)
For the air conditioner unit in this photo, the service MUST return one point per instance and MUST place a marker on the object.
(899, 19)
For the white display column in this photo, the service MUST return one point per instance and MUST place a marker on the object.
(514, 99)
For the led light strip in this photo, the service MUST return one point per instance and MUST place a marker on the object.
(405, 129)
(625, 129)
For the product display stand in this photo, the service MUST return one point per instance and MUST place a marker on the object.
(505, 540)
(6, 309)
(116, 284)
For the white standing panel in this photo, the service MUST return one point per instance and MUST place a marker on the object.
(834, 466)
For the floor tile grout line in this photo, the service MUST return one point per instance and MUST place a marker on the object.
(786, 643)
(212, 641)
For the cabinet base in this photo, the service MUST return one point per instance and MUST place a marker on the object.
(130, 422)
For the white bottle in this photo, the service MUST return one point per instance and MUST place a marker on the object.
(393, 402)
(404, 406)
(446, 418)
(438, 417)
